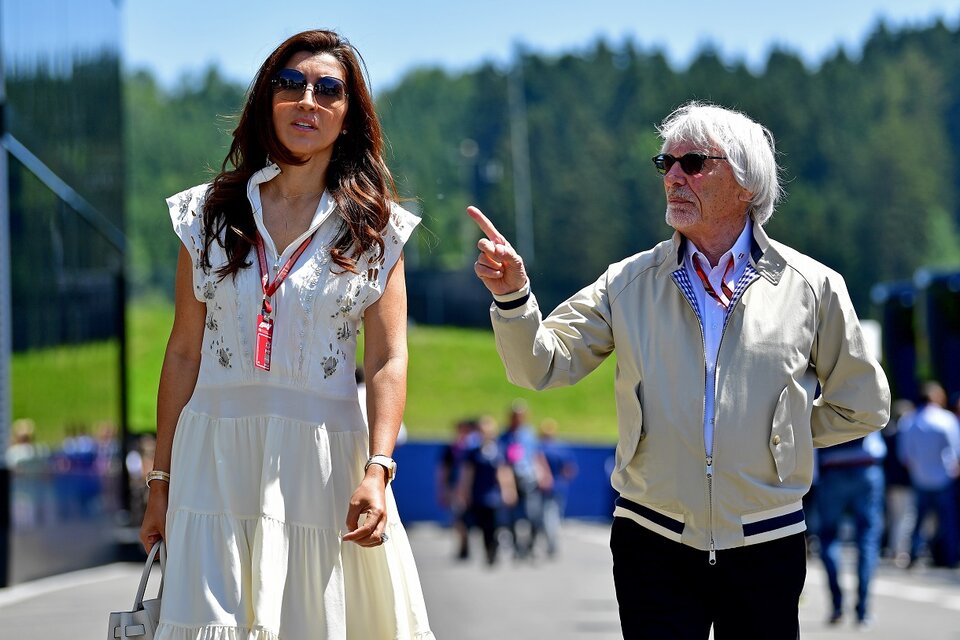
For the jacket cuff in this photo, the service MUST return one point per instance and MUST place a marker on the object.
(513, 305)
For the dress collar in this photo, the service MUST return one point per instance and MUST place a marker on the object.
(325, 208)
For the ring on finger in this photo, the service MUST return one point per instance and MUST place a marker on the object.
(384, 537)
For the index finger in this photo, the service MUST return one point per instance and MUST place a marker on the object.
(486, 226)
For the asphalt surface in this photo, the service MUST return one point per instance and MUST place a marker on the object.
(568, 598)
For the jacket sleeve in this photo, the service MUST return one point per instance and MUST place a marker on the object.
(855, 396)
(561, 349)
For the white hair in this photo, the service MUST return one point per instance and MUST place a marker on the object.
(747, 145)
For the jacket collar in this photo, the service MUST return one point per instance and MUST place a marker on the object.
(768, 262)
(764, 256)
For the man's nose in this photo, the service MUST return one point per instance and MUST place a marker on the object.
(675, 175)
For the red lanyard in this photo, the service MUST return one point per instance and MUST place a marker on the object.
(264, 347)
(268, 288)
(725, 294)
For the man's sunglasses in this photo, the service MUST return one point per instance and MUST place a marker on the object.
(290, 84)
(691, 163)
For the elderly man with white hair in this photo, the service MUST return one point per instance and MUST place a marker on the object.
(736, 357)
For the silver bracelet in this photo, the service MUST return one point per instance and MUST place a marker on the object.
(157, 475)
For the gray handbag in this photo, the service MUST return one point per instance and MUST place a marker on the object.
(141, 622)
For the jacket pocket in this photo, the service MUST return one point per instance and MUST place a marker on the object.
(782, 445)
(631, 434)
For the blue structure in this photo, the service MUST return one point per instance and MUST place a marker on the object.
(921, 331)
(941, 297)
(590, 495)
(897, 302)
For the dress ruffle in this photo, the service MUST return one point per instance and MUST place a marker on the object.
(257, 553)
(177, 632)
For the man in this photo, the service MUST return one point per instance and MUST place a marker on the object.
(930, 449)
(449, 469)
(852, 481)
(722, 338)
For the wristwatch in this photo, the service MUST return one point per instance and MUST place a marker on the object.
(386, 462)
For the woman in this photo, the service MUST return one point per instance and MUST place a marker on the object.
(277, 513)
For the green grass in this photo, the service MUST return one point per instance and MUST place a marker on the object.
(453, 373)
(148, 327)
(66, 389)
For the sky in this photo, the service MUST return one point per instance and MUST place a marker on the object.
(173, 37)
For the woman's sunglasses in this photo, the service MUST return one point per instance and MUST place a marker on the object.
(290, 84)
(691, 163)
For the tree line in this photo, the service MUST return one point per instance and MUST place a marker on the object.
(869, 146)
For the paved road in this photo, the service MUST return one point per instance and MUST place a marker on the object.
(570, 598)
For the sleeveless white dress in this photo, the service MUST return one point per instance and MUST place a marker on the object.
(264, 462)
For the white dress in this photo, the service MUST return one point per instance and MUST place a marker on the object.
(264, 462)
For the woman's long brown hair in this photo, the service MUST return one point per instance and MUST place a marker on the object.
(357, 176)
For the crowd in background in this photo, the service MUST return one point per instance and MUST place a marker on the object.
(71, 480)
(894, 494)
(896, 491)
(510, 484)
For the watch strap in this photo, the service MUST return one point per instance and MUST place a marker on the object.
(388, 463)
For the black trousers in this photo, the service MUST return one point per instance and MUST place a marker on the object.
(669, 591)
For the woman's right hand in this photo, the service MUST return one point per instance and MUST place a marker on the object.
(499, 266)
(155, 516)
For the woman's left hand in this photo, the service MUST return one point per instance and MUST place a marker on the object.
(367, 515)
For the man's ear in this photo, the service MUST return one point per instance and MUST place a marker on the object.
(745, 196)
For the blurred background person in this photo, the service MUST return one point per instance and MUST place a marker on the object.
(487, 486)
(531, 474)
(77, 485)
(851, 483)
(22, 449)
(139, 463)
(449, 470)
(107, 466)
(900, 512)
(930, 449)
(563, 468)
(25, 458)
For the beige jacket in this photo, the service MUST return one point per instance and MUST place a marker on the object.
(791, 326)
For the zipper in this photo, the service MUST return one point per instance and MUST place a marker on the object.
(712, 558)
(712, 550)
(713, 546)
(713, 422)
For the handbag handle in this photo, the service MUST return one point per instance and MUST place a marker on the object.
(161, 548)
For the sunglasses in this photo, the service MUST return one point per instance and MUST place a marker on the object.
(290, 84)
(691, 163)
